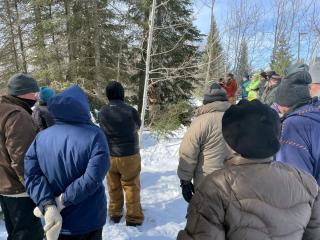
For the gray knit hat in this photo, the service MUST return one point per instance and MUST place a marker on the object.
(294, 88)
(315, 71)
(213, 93)
(21, 83)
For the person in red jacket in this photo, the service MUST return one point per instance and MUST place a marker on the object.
(231, 88)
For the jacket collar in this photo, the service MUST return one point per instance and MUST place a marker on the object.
(237, 159)
(219, 106)
(16, 101)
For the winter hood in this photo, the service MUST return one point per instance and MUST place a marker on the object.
(70, 106)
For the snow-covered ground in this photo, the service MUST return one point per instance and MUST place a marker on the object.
(161, 198)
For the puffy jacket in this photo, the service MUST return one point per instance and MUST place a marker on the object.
(120, 122)
(42, 117)
(17, 131)
(253, 88)
(70, 158)
(300, 145)
(269, 95)
(254, 200)
(203, 149)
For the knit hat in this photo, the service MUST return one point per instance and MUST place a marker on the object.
(21, 83)
(115, 91)
(263, 74)
(46, 93)
(213, 93)
(252, 129)
(315, 71)
(294, 88)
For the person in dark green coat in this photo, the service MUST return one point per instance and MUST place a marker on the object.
(268, 96)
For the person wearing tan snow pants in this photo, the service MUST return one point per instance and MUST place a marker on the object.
(120, 123)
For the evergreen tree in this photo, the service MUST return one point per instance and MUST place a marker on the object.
(242, 65)
(217, 65)
(282, 57)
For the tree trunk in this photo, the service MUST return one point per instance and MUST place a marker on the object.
(23, 54)
(12, 36)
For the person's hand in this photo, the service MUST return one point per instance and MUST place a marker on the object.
(187, 190)
(60, 203)
(53, 221)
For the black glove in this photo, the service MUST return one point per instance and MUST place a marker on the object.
(187, 189)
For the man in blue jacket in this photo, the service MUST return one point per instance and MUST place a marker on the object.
(300, 133)
(65, 167)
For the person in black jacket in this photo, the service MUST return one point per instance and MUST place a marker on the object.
(120, 122)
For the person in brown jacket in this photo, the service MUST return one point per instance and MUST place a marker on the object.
(17, 133)
(254, 197)
(203, 149)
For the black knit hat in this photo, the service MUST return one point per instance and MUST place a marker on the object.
(115, 91)
(22, 83)
(252, 129)
(294, 88)
(214, 93)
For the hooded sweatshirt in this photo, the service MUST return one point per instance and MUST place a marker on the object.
(70, 158)
(300, 139)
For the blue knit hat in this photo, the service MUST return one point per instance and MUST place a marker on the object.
(46, 93)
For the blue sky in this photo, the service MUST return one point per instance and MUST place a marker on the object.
(202, 13)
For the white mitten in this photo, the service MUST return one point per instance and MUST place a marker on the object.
(53, 222)
(59, 202)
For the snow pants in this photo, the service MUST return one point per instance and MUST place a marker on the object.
(19, 220)
(124, 175)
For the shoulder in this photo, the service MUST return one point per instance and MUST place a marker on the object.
(304, 178)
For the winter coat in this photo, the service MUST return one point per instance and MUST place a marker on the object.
(17, 131)
(70, 158)
(203, 149)
(244, 92)
(254, 200)
(269, 95)
(299, 139)
(231, 88)
(42, 117)
(263, 86)
(253, 89)
(120, 122)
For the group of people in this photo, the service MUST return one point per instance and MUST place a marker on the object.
(248, 171)
(53, 161)
(252, 170)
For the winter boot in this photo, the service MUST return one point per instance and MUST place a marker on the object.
(115, 219)
(132, 224)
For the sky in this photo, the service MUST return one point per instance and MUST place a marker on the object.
(202, 12)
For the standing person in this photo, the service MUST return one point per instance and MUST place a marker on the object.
(253, 197)
(64, 169)
(231, 87)
(120, 122)
(301, 121)
(244, 85)
(315, 76)
(41, 115)
(253, 87)
(269, 94)
(263, 83)
(17, 133)
(203, 149)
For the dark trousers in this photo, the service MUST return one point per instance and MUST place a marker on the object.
(20, 222)
(95, 235)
